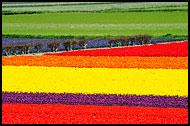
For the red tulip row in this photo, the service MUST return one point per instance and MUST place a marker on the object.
(169, 49)
(88, 114)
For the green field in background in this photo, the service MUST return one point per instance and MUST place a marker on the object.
(100, 24)
(90, 6)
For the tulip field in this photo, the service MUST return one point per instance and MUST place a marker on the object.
(145, 84)
(171, 49)
(94, 62)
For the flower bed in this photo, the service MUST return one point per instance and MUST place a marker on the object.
(98, 62)
(86, 89)
(169, 49)
(87, 114)
(95, 99)
(169, 82)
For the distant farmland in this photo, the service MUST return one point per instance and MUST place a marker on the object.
(92, 6)
(94, 19)
(156, 24)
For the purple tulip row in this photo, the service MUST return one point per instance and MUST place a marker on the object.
(95, 99)
(92, 43)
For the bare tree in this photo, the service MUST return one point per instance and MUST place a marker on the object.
(132, 39)
(6, 48)
(54, 45)
(147, 39)
(115, 40)
(111, 41)
(139, 39)
(124, 40)
(14, 49)
(69, 43)
(38, 45)
(83, 43)
(121, 40)
(28, 47)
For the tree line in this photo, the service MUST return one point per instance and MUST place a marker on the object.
(127, 40)
(14, 48)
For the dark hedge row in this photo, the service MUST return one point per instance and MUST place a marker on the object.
(94, 11)
(84, 36)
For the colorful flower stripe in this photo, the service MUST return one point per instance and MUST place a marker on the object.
(98, 62)
(87, 114)
(169, 82)
(169, 49)
(95, 99)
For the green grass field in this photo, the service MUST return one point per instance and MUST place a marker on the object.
(114, 22)
(154, 23)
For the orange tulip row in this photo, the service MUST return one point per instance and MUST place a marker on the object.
(98, 61)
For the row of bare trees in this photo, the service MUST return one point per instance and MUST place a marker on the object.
(68, 44)
(125, 40)
(12, 48)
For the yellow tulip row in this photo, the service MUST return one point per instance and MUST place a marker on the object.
(169, 82)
